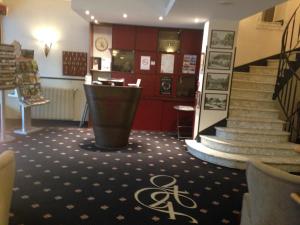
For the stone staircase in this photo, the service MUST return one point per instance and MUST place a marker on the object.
(254, 130)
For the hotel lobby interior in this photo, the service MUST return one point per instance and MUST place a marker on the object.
(143, 112)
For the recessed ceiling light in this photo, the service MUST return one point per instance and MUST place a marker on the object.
(125, 15)
(87, 12)
(96, 21)
(92, 17)
(196, 20)
(225, 2)
(160, 18)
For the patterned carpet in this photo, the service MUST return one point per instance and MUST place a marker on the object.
(62, 180)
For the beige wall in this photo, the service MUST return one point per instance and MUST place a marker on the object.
(24, 18)
(257, 40)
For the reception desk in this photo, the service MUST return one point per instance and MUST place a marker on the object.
(112, 109)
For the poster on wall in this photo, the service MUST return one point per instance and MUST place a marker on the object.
(189, 64)
(167, 63)
(145, 62)
(166, 85)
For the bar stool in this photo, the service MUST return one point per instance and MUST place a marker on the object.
(180, 124)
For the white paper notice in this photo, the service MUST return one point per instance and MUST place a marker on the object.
(167, 63)
(145, 63)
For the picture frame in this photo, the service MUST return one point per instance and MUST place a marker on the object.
(217, 81)
(219, 60)
(215, 101)
(222, 39)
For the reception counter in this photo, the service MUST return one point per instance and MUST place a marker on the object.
(112, 109)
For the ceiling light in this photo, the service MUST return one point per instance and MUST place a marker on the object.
(87, 12)
(92, 17)
(196, 20)
(160, 18)
(96, 21)
(225, 2)
(125, 15)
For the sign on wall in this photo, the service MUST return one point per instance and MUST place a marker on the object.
(74, 63)
(145, 62)
(167, 63)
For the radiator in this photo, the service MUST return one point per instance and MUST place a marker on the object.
(61, 106)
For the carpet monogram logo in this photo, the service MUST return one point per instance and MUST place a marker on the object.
(164, 196)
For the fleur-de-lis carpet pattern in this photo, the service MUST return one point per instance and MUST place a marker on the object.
(62, 179)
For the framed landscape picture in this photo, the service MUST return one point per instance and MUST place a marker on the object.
(219, 60)
(222, 39)
(217, 81)
(214, 101)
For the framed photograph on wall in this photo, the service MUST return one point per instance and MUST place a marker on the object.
(219, 60)
(222, 39)
(217, 81)
(215, 101)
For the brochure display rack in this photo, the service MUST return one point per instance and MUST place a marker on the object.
(7, 82)
(29, 92)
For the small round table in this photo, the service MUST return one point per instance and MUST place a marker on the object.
(181, 124)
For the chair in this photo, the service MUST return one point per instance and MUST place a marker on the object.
(7, 177)
(269, 201)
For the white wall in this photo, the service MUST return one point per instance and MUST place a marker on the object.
(257, 40)
(25, 17)
(210, 117)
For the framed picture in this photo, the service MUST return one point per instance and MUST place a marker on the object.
(217, 81)
(214, 101)
(222, 39)
(165, 85)
(219, 60)
(27, 53)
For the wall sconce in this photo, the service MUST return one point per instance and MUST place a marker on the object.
(46, 37)
(47, 48)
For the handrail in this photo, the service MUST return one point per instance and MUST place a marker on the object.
(288, 80)
(295, 197)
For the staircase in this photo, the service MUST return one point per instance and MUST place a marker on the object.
(254, 130)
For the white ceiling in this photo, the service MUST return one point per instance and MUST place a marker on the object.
(177, 13)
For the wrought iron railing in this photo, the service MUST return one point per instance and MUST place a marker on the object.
(287, 87)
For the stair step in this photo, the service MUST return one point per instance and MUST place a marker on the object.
(255, 77)
(254, 123)
(251, 93)
(238, 161)
(248, 148)
(240, 111)
(250, 135)
(258, 85)
(264, 70)
(252, 102)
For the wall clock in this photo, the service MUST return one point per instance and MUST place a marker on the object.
(101, 44)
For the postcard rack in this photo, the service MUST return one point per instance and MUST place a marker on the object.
(29, 92)
(7, 82)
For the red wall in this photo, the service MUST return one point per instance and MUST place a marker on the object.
(155, 111)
